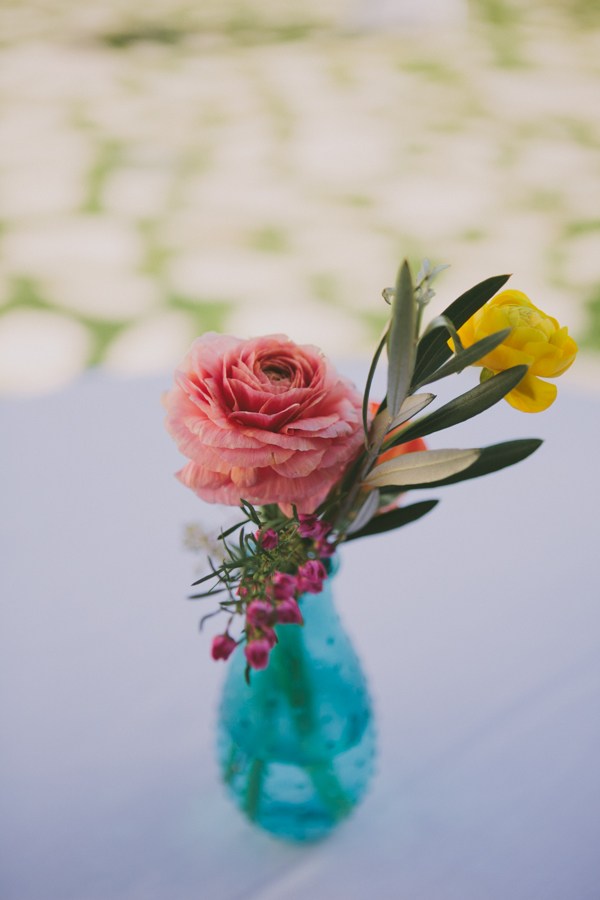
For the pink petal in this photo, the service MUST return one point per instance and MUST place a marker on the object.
(300, 464)
(199, 479)
(244, 478)
(265, 422)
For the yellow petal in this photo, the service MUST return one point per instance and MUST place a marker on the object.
(532, 395)
(552, 368)
(494, 320)
(547, 359)
(570, 349)
(465, 334)
(562, 365)
(504, 357)
(525, 334)
(560, 337)
(570, 346)
(511, 298)
(541, 350)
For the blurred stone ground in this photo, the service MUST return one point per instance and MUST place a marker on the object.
(264, 167)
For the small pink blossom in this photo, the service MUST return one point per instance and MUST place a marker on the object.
(257, 653)
(284, 586)
(259, 612)
(324, 549)
(222, 646)
(269, 636)
(288, 613)
(312, 527)
(268, 539)
(266, 420)
(311, 576)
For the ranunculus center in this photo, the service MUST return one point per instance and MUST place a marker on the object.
(279, 373)
(519, 316)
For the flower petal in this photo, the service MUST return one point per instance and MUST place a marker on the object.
(532, 395)
(300, 464)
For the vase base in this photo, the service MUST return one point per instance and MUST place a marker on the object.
(298, 803)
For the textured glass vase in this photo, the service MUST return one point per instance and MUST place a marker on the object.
(296, 746)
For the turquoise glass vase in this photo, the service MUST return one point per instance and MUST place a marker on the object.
(296, 745)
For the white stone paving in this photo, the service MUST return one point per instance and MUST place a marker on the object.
(228, 178)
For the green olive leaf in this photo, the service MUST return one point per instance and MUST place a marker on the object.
(396, 518)
(370, 376)
(469, 356)
(464, 407)
(421, 467)
(401, 340)
(411, 406)
(492, 459)
(365, 513)
(433, 349)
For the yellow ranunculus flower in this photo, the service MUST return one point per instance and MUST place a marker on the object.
(536, 340)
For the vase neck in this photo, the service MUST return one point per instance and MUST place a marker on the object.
(315, 607)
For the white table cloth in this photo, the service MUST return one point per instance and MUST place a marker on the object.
(479, 629)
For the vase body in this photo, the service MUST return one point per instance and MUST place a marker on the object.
(296, 745)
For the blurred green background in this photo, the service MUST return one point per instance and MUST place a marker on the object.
(258, 167)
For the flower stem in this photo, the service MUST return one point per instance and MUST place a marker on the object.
(253, 790)
(364, 470)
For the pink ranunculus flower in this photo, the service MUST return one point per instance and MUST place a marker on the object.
(264, 420)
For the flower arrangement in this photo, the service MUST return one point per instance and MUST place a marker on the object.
(271, 427)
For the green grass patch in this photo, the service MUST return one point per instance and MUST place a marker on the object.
(472, 235)
(374, 322)
(107, 159)
(579, 131)
(584, 13)
(246, 27)
(544, 201)
(591, 336)
(582, 226)
(431, 69)
(325, 288)
(24, 292)
(155, 254)
(360, 201)
(503, 21)
(155, 33)
(102, 334)
(208, 315)
(270, 239)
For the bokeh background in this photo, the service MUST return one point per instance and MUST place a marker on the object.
(254, 166)
(257, 166)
